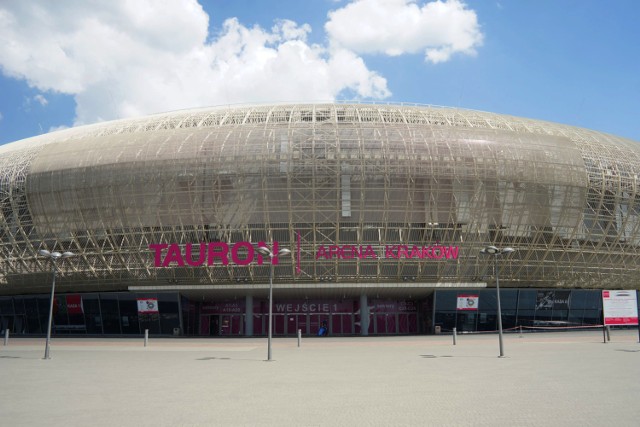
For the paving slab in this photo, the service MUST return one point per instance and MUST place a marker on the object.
(550, 379)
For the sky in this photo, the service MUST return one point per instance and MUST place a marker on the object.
(67, 63)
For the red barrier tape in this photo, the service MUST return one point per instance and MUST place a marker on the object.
(517, 328)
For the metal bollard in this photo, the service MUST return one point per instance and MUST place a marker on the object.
(299, 336)
(604, 334)
(608, 332)
(6, 337)
(520, 331)
(455, 330)
(146, 337)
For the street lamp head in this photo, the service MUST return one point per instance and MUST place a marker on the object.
(492, 250)
(489, 250)
(263, 250)
(55, 255)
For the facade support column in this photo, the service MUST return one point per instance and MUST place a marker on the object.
(248, 316)
(364, 315)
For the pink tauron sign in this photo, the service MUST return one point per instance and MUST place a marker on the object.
(239, 253)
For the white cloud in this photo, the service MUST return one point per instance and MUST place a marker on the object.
(41, 100)
(123, 58)
(396, 27)
(57, 128)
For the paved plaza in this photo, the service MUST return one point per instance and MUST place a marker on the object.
(560, 378)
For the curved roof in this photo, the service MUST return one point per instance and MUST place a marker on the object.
(292, 114)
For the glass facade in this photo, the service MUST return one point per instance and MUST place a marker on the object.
(106, 313)
(119, 313)
(520, 307)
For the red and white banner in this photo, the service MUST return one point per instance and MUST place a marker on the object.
(74, 304)
(468, 302)
(147, 305)
(620, 307)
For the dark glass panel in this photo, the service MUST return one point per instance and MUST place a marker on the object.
(527, 299)
(446, 300)
(575, 317)
(6, 305)
(526, 317)
(92, 317)
(578, 299)
(110, 314)
(33, 319)
(593, 300)
(128, 314)
(446, 320)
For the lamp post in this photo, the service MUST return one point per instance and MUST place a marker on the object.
(53, 256)
(495, 253)
(263, 250)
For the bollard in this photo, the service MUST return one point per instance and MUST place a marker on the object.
(454, 336)
(520, 331)
(608, 332)
(604, 334)
(6, 336)
(299, 336)
(146, 337)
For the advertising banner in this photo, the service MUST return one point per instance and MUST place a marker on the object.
(553, 300)
(468, 302)
(620, 307)
(147, 305)
(74, 304)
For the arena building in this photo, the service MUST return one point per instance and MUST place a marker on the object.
(384, 209)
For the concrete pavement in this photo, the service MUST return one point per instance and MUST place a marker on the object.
(550, 379)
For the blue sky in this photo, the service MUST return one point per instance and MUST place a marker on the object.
(70, 63)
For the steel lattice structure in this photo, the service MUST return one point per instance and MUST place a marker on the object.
(327, 174)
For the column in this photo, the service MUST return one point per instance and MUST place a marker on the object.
(248, 316)
(364, 315)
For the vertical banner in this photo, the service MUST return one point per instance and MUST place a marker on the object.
(147, 305)
(468, 302)
(74, 304)
(619, 307)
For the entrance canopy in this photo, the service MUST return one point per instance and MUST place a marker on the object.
(309, 290)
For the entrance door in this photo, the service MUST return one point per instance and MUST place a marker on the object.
(258, 324)
(466, 321)
(295, 322)
(316, 321)
(386, 323)
(407, 323)
(231, 324)
(6, 322)
(279, 324)
(214, 325)
(341, 324)
(19, 324)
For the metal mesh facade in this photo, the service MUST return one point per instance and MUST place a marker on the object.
(326, 174)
